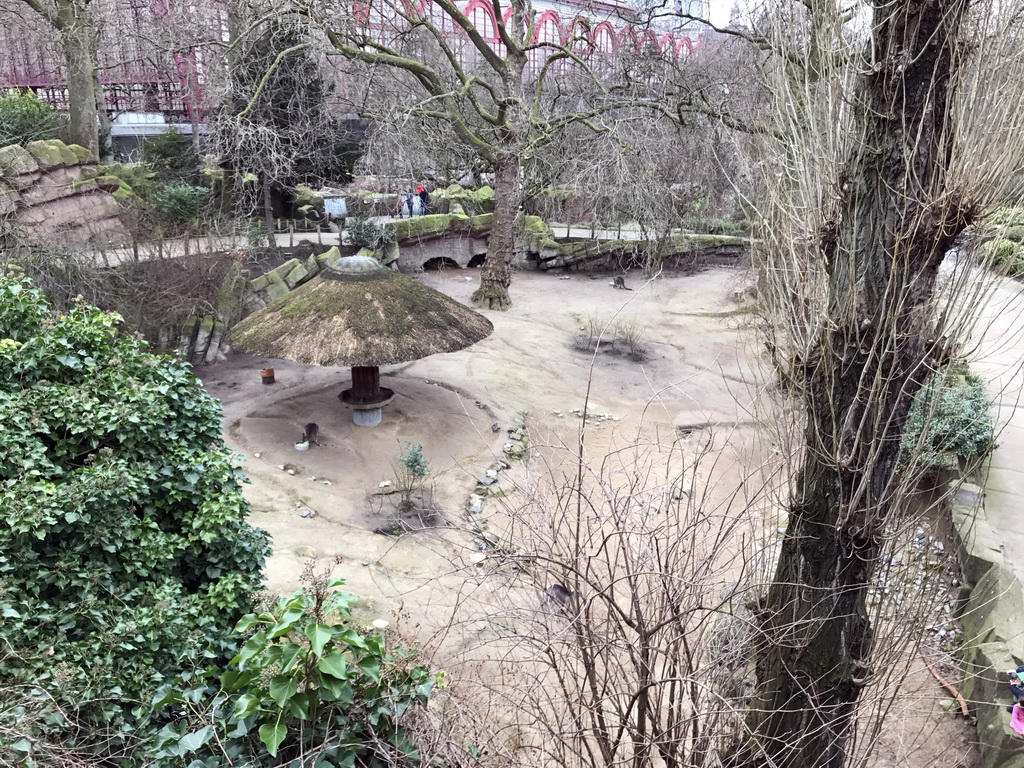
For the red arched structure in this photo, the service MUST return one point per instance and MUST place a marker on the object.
(481, 15)
(604, 37)
(628, 32)
(667, 44)
(684, 47)
(546, 19)
(649, 42)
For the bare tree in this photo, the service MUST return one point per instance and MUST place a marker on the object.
(883, 156)
(486, 88)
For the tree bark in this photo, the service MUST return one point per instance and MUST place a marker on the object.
(74, 22)
(496, 274)
(882, 247)
(268, 210)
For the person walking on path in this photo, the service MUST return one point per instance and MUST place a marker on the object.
(423, 199)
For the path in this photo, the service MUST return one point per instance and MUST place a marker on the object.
(999, 362)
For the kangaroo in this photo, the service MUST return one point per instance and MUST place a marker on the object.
(311, 434)
(559, 596)
(620, 283)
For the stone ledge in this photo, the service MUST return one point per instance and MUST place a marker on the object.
(992, 619)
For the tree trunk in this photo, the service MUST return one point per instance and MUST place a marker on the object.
(882, 247)
(78, 42)
(268, 211)
(496, 275)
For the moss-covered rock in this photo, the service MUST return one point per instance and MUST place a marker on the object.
(8, 199)
(307, 201)
(83, 155)
(329, 257)
(51, 153)
(480, 224)
(432, 225)
(389, 254)
(485, 198)
(538, 234)
(15, 160)
(118, 188)
(555, 255)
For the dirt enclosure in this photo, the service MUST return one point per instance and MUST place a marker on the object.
(674, 374)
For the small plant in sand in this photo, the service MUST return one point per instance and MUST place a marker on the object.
(634, 336)
(625, 337)
(412, 469)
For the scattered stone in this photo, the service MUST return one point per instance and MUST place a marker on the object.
(495, 427)
(475, 510)
(256, 455)
(379, 624)
(492, 473)
(307, 513)
(384, 484)
(312, 478)
(485, 480)
(365, 563)
(949, 705)
(477, 557)
(281, 467)
(290, 471)
(478, 404)
(326, 482)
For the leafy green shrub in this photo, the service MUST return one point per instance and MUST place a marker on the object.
(413, 470)
(24, 118)
(1005, 256)
(1009, 216)
(125, 555)
(363, 232)
(305, 684)
(171, 155)
(180, 204)
(952, 416)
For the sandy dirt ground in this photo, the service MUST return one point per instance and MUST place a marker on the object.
(327, 502)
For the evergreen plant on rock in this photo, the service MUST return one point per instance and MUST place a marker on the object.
(125, 554)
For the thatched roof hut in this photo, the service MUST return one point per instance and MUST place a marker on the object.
(360, 314)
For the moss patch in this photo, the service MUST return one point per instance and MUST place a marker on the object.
(82, 154)
(51, 154)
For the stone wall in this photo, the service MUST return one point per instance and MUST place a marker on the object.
(49, 190)
(992, 621)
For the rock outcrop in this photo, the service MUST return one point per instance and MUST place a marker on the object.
(992, 622)
(50, 191)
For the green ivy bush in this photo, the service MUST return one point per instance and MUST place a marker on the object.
(952, 416)
(125, 554)
(24, 118)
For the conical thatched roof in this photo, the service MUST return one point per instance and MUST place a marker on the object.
(359, 313)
